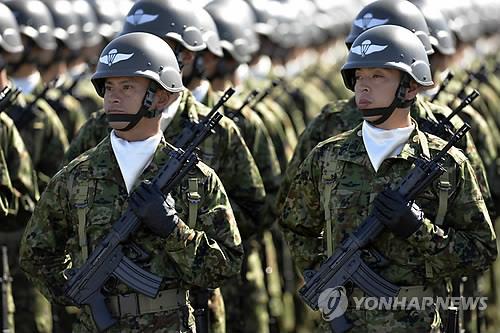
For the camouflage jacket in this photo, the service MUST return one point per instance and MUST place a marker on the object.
(338, 176)
(67, 108)
(42, 133)
(225, 152)
(7, 198)
(17, 170)
(204, 255)
(340, 116)
(258, 140)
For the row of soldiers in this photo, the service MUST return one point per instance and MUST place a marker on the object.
(284, 59)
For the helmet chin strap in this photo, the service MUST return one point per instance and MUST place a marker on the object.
(399, 101)
(145, 111)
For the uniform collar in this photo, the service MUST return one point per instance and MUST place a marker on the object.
(187, 112)
(352, 148)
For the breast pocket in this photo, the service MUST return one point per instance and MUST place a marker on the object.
(343, 211)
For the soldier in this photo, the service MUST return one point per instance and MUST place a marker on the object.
(34, 15)
(138, 76)
(18, 192)
(349, 176)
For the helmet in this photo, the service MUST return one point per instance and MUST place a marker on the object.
(237, 36)
(88, 23)
(34, 22)
(10, 38)
(166, 18)
(109, 18)
(209, 31)
(441, 36)
(395, 12)
(67, 26)
(138, 54)
(388, 46)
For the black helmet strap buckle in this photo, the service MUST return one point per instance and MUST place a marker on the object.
(399, 101)
(145, 111)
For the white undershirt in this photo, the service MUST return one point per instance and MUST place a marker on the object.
(27, 84)
(381, 144)
(134, 156)
(201, 91)
(169, 113)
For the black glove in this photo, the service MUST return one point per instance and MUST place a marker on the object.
(399, 216)
(151, 207)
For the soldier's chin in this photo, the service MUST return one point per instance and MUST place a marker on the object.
(118, 125)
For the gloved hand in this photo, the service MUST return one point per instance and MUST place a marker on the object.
(154, 209)
(399, 216)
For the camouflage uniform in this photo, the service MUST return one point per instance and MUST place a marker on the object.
(67, 108)
(18, 192)
(225, 152)
(46, 142)
(340, 116)
(85, 94)
(259, 271)
(337, 181)
(203, 255)
(43, 134)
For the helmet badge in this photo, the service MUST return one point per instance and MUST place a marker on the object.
(366, 47)
(368, 21)
(140, 18)
(113, 57)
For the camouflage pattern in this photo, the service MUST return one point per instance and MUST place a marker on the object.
(203, 256)
(341, 165)
(43, 134)
(225, 152)
(18, 192)
(254, 318)
(85, 94)
(67, 108)
(340, 116)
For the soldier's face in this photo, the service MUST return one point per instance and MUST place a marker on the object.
(124, 95)
(375, 88)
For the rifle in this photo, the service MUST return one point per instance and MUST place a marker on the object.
(443, 86)
(199, 302)
(232, 114)
(85, 284)
(7, 97)
(444, 128)
(346, 264)
(5, 280)
(266, 92)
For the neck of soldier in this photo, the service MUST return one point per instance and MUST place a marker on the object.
(219, 83)
(4, 79)
(25, 71)
(400, 118)
(195, 82)
(53, 72)
(145, 128)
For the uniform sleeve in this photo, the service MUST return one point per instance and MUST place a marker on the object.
(466, 245)
(302, 219)
(42, 254)
(212, 251)
(242, 180)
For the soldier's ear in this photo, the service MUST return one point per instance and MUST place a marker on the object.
(413, 90)
(164, 98)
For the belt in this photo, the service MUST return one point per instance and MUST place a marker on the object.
(135, 304)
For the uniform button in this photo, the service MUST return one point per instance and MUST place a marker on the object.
(415, 138)
(360, 133)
